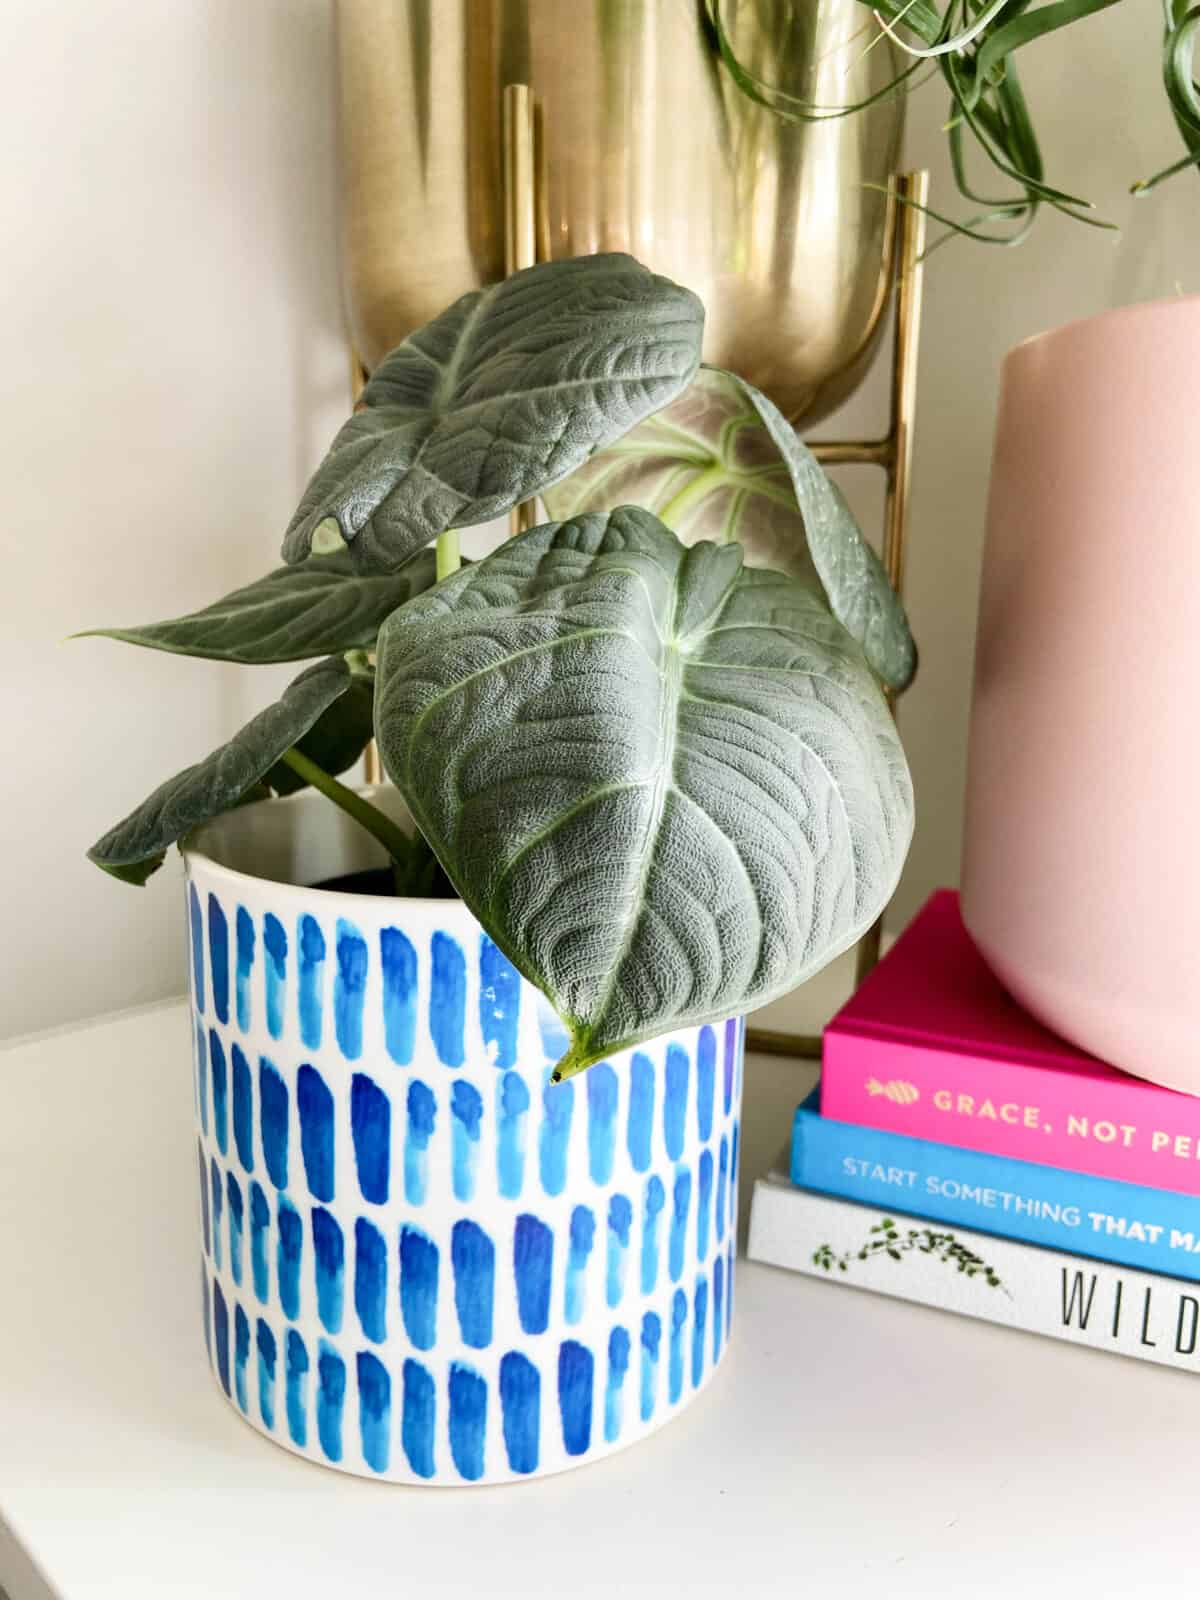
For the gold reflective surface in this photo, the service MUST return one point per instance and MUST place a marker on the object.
(645, 145)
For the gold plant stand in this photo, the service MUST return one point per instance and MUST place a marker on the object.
(893, 453)
(524, 245)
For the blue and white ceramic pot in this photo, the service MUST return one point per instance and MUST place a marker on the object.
(421, 1262)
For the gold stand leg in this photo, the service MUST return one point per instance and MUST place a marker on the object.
(520, 166)
(372, 766)
(894, 454)
(910, 277)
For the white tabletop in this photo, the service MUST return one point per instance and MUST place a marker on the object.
(851, 1445)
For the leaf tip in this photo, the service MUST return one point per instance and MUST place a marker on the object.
(133, 872)
(577, 1059)
(897, 670)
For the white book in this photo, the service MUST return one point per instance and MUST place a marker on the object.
(1143, 1314)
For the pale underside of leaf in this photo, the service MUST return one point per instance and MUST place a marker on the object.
(722, 463)
(136, 846)
(506, 392)
(707, 466)
(321, 607)
(666, 784)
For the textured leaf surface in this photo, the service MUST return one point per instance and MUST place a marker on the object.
(722, 463)
(135, 847)
(339, 735)
(321, 607)
(667, 784)
(859, 592)
(500, 396)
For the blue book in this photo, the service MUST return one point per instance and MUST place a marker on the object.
(1154, 1229)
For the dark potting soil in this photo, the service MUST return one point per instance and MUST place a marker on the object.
(379, 881)
(375, 880)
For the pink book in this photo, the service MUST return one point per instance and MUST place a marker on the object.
(932, 1046)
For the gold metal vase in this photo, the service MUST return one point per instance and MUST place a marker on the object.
(644, 145)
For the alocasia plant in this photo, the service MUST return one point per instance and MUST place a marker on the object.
(647, 742)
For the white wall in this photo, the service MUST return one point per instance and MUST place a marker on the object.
(170, 345)
(170, 365)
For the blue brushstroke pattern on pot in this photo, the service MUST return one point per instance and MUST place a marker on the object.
(422, 1261)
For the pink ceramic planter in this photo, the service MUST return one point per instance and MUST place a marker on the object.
(1081, 870)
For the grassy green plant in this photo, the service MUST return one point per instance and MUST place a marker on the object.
(973, 47)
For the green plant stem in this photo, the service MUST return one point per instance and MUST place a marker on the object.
(389, 834)
(449, 555)
(700, 487)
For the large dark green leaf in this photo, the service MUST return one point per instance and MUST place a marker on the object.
(135, 847)
(667, 784)
(321, 607)
(339, 735)
(722, 463)
(500, 396)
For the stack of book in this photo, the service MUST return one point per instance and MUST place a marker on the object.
(958, 1154)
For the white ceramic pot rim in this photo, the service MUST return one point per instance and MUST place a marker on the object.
(266, 828)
